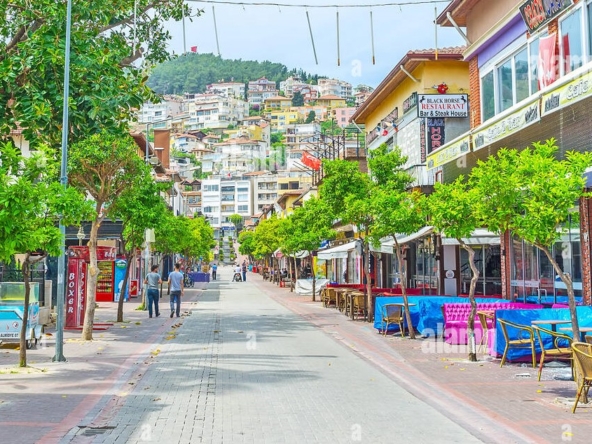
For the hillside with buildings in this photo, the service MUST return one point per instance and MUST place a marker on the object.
(250, 148)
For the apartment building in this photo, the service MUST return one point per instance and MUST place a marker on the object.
(331, 102)
(157, 113)
(222, 197)
(259, 90)
(265, 189)
(299, 136)
(342, 116)
(214, 111)
(235, 156)
(291, 85)
(277, 103)
(228, 89)
(335, 87)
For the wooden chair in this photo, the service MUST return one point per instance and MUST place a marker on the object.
(341, 298)
(561, 347)
(588, 339)
(522, 337)
(358, 307)
(484, 317)
(329, 297)
(392, 314)
(582, 353)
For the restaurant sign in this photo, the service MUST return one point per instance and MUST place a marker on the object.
(443, 105)
(567, 94)
(449, 152)
(537, 13)
(508, 125)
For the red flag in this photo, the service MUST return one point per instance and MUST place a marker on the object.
(194, 49)
(547, 69)
(310, 161)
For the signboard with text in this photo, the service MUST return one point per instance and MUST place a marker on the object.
(443, 105)
(436, 136)
(537, 13)
(567, 94)
(449, 152)
(507, 125)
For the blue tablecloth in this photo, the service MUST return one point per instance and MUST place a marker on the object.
(525, 317)
(426, 315)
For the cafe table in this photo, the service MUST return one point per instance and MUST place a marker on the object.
(552, 322)
(341, 298)
(583, 331)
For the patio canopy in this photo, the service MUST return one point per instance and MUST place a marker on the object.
(405, 238)
(339, 252)
(478, 237)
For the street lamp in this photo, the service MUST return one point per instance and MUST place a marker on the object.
(59, 347)
(80, 235)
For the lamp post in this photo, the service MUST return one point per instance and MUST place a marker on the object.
(59, 347)
(80, 235)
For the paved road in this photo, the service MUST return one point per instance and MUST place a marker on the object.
(244, 369)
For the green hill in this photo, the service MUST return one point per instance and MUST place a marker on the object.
(191, 73)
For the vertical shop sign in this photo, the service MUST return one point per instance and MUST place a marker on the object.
(422, 140)
(436, 136)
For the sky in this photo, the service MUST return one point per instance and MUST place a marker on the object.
(281, 34)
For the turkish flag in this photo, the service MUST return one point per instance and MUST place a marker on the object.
(311, 161)
(547, 63)
(194, 49)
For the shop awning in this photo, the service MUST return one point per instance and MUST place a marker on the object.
(278, 254)
(478, 237)
(403, 239)
(339, 252)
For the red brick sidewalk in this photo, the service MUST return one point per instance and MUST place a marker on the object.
(504, 404)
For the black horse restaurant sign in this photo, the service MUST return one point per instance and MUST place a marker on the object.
(537, 13)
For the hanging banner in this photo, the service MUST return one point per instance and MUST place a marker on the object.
(547, 64)
(436, 137)
(571, 92)
(506, 126)
(449, 152)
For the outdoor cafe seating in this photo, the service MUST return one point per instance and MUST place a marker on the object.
(560, 349)
(582, 353)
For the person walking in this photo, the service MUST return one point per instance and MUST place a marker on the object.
(244, 270)
(153, 280)
(214, 271)
(176, 289)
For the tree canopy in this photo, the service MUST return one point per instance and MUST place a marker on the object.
(105, 85)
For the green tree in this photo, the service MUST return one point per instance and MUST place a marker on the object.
(31, 203)
(105, 85)
(104, 166)
(246, 243)
(532, 194)
(267, 238)
(311, 117)
(453, 212)
(347, 193)
(237, 221)
(396, 211)
(306, 228)
(297, 99)
(139, 208)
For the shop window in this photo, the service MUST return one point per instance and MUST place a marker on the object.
(488, 99)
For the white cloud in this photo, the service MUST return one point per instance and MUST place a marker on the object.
(282, 35)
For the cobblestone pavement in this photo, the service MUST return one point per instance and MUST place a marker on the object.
(253, 363)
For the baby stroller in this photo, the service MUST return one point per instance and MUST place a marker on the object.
(237, 277)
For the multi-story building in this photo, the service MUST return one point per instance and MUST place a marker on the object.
(214, 111)
(395, 114)
(291, 85)
(530, 70)
(259, 90)
(342, 116)
(191, 193)
(310, 93)
(235, 156)
(265, 189)
(331, 102)
(298, 136)
(335, 87)
(228, 89)
(157, 112)
(277, 103)
(320, 112)
(281, 119)
(222, 197)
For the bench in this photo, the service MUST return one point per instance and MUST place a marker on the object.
(456, 318)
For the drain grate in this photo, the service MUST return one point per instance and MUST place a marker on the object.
(93, 431)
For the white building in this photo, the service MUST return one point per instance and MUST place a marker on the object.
(299, 135)
(214, 111)
(157, 112)
(291, 85)
(228, 89)
(235, 156)
(335, 87)
(259, 90)
(222, 198)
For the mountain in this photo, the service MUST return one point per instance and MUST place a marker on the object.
(192, 72)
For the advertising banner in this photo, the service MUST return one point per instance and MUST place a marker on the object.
(443, 105)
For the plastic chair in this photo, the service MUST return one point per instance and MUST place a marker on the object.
(523, 339)
(392, 314)
(329, 297)
(561, 347)
(582, 353)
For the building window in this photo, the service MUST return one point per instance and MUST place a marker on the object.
(572, 48)
(243, 198)
(210, 188)
(243, 208)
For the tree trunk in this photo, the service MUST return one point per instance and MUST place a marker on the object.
(129, 257)
(23, 342)
(93, 273)
(314, 278)
(403, 274)
(571, 298)
(471, 321)
(366, 247)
